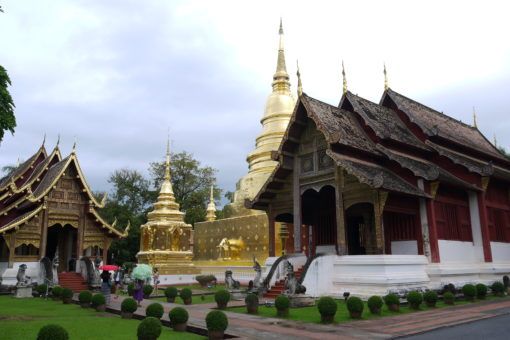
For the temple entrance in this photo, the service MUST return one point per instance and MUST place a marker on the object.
(360, 229)
(319, 214)
(62, 241)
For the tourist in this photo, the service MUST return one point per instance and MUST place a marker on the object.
(106, 285)
(155, 280)
(138, 294)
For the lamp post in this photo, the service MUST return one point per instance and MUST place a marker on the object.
(284, 235)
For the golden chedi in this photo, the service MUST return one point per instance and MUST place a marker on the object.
(165, 238)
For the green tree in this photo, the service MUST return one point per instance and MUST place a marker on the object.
(7, 119)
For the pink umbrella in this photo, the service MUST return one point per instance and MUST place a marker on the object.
(109, 267)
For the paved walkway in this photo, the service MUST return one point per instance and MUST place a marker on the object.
(255, 327)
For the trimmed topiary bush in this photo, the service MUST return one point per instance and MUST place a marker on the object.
(393, 302)
(498, 288)
(149, 329)
(430, 298)
(85, 298)
(171, 293)
(355, 307)
(52, 332)
(222, 297)
(217, 323)
(127, 308)
(67, 295)
(186, 296)
(154, 310)
(327, 307)
(204, 280)
(99, 302)
(469, 292)
(449, 298)
(41, 289)
(415, 299)
(147, 291)
(56, 292)
(178, 319)
(131, 289)
(282, 304)
(375, 304)
(481, 291)
(252, 303)
(506, 281)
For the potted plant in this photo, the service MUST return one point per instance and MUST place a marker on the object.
(149, 329)
(481, 291)
(85, 297)
(99, 302)
(56, 292)
(327, 307)
(282, 304)
(127, 308)
(469, 292)
(41, 289)
(498, 288)
(67, 296)
(393, 302)
(355, 307)
(449, 298)
(252, 303)
(52, 332)
(217, 323)
(375, 304)
(222, 297)
(186, 295)
(430, 298)
(154, 310)
(147, 291)
(415, 299)
(171, 293)
(178, 319)
(204, 280)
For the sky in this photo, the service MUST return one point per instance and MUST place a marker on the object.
(117, 76)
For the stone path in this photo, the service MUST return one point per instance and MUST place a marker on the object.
(254, 327)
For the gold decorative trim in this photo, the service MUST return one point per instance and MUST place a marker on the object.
(485, 182)
(21, 221)
(434, 186)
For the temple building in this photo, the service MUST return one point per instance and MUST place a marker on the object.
(48, 214)
(387, 196)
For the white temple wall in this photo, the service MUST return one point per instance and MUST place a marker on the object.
(459, 251)
(500, 252)
(404, 247)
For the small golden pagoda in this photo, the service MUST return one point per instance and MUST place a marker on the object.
(211, 207)
(165, 238)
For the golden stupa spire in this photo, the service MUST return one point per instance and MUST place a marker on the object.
(166, 187)
(299, 85)
(386, 87)
(281, 77)
(344, 78)
(474, 118)
(211, 207)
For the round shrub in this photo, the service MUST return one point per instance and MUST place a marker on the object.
(415, 299)
(282, 302)
(375, 304)
(41, 289)
(147, 290)
(98, 300)
(67, 293)
(56, 291)
(129, 305)
(251, 299)
(481, 291)
(85, 296)
(449, 298)
(498, 288)
(430, 298)
(327, 306)
(131, 289)
(171, 292)
(178, 315)
(469, 291)
(52, 332)
(149, 329)
(392, 301)
(355, 307)
(186, 293)
(154, 310)
(222, 297)
(216, 321)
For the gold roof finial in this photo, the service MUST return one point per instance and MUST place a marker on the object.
(281, 77)
(211, 198)
(344, 78)
(299, 85)
(474, 118)
(167, 163)
(18, 163)
(211, 207)
(44, 139)
(58, 140)
(495, 140)
(386, 87)
(74, 145)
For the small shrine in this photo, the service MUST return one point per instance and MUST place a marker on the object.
(165, 239)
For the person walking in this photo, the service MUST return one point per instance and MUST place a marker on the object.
(138, 294)
(106, 285)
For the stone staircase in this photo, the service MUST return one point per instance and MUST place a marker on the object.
(73, 281)
(279, 286)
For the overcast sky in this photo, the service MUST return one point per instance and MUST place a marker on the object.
(117, 74)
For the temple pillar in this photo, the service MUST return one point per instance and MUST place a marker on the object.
(272, 236)
(433, 239)
(341, 244)
(12, 254)
(424, 222)
(296, 199)
(480, 207)
(44, 231)
(379, 200)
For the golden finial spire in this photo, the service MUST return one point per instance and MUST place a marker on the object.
(44, 139)
(474, 118)
(74, 145)
(495, 140)
(211, 207)
(344, 78)
(167, 163)
(299, 85)
(211, 198)
(281, 77)
(58, 140)
(18, 163)
(386, 87)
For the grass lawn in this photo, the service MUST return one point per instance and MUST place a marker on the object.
(22, 319)
(196, 299)
(213, 289)
(311, 314)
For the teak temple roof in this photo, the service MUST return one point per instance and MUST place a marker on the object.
(389, 145)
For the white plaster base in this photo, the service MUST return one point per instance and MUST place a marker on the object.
(23, 292)
(165, 280)
(8, 275)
